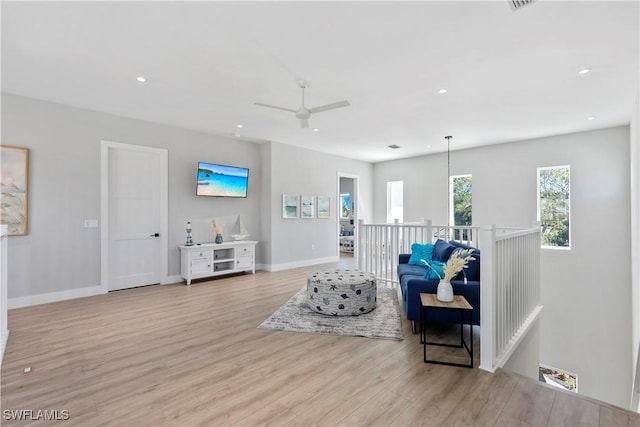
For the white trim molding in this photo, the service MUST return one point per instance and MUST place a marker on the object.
(171, 280)
(298, 264)
(30, 300)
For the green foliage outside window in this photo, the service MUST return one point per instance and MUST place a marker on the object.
(462, 198)
(553, 205)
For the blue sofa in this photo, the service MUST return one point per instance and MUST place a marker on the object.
(413, 283)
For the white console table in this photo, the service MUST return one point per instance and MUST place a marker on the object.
(214, 259)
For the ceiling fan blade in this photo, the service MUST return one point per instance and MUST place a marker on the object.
(304, 123)
(321, 108)
(274, 106)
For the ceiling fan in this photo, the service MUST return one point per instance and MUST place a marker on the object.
(303, 113)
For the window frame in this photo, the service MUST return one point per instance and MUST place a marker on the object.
(538, 206)
(452, 207)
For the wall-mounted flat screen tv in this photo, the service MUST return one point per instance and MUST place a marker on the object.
(222, 180)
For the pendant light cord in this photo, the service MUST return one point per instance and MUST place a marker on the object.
(448, 138)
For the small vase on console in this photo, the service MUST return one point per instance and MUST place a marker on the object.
(218, 238)
(445, 291)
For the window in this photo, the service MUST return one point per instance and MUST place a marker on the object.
(554, 206)
(460, 212)
(558, 378)
(394, 201)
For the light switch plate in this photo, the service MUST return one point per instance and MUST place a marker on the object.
(90, 223)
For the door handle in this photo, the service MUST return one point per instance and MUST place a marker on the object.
(155, 235)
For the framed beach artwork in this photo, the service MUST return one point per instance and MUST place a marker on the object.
(324, 208)
(307, 207)
(14, 164)
(290, 203)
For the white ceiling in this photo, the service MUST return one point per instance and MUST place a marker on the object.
(510, 75)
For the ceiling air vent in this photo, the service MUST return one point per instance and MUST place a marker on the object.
(517, 4)
(393, 146)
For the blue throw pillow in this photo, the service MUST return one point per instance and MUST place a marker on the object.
(420, 251)
(442, 250)
(435, 271)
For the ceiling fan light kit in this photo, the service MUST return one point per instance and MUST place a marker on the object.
(303, 113)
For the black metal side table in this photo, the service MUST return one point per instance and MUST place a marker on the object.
(460, 304)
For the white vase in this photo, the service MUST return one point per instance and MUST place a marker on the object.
(445, 291)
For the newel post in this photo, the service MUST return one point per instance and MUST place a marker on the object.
(487, 301)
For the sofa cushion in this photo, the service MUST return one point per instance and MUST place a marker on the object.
(442, 250)
(419, 252)
(411, 270)
(435, 270)
(405, 279)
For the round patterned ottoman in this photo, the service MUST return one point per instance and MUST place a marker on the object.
(341, 292)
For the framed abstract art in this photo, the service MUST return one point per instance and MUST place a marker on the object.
(14, 164)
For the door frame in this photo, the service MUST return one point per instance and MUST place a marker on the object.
(356, 201)
(105, 147)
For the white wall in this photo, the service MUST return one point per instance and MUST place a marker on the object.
(635, 245)
(424, 182)
(266, 218)
(346, 186)
(65, 189)
(525, 360)
(586, 322)
(59, 254)
(295, 170)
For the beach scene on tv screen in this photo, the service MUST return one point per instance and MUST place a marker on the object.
(221, 180)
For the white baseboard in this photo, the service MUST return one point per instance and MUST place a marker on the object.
(27, 301)
(69, 294)
(173, 279)
(54, 297)
(298, 264)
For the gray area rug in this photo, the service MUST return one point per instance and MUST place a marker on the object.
(383, 322)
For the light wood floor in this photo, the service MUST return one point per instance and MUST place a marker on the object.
(193, 355)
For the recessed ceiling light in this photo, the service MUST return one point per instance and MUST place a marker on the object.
(316, 129)
(141, 79)
(591, 118)
(442, 91)
(239, 126)
(584, 71)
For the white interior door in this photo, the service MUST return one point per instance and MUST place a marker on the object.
(134, 211)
